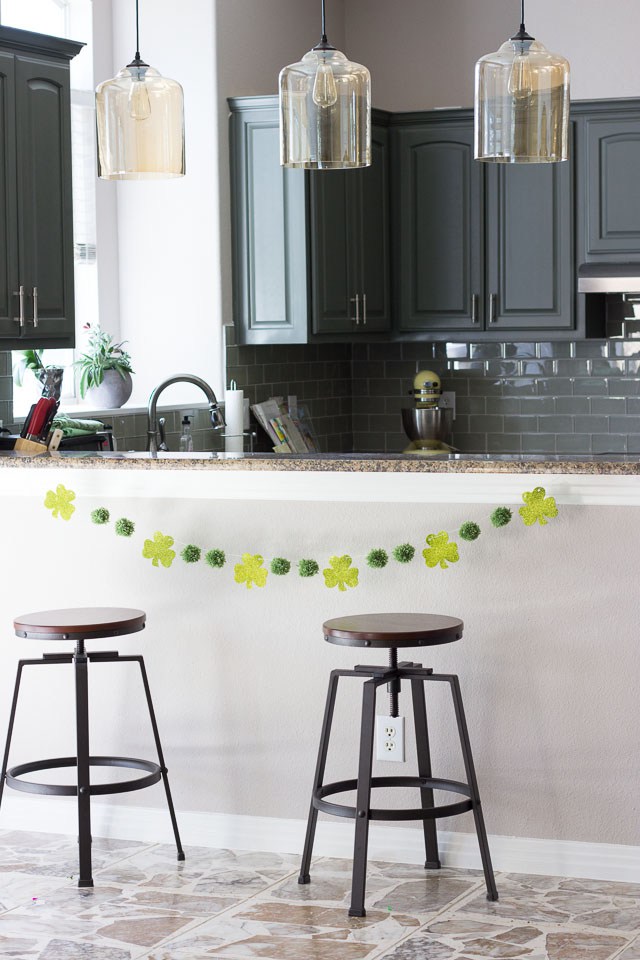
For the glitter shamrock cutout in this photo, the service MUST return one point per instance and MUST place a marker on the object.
(60, 502)
(538, 506)
(440, 551)
(340, 573)
(159, 550)
(250, 571)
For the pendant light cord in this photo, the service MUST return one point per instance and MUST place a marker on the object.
(522, 34)
(137, 56)
(324, 24)
(522, 27)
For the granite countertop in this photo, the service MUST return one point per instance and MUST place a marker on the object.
(606, 464)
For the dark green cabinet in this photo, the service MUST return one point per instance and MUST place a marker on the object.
(438, 228)
(609, 183)
(36, 246)
(478, 247)
(310, 250)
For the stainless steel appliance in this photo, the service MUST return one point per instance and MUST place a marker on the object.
(427, 424)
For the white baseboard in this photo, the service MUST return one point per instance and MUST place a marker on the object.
(566, 858)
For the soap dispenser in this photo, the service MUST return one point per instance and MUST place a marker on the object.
(186, 440)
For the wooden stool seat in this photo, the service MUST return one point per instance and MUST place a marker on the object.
(80, 623)
(388, 630)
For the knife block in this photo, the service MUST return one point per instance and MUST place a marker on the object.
(30, 446)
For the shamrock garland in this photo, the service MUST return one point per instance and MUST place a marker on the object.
(439, 552)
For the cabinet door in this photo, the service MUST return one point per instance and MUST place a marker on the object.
(374, 236)
(45, 212)
(268, 205)
(530, 280)
(610, 161)
(438, 228)
(9, 304)
(335, 269)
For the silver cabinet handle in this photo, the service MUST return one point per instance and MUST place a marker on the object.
(493, 300)
(474, 308)
(20, 293)
(364, 309)
(356, 300)
(35, 307)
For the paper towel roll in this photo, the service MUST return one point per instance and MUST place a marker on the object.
(234, 417)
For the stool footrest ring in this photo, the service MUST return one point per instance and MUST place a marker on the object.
(420, 813)
(153, 774)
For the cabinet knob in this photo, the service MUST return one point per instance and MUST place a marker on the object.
(493, 302)
(20, 293)
(356, 300)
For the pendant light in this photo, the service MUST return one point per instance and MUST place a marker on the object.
(522, 103)
(140, 120)
(325, 110)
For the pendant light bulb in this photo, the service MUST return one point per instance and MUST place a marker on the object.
(325, 92)
(139, 105)
(520, 80)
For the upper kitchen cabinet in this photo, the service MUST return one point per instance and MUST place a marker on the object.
(310, 250)
(479, 247)
(608, 183)
(438, 225)
(36, 243)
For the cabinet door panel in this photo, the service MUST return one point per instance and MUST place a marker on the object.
(530, 247)
(613, 188)
(44, 196)
(269, 245)
(375, 236)
(8, 220)
(335, 278)
(438, 206)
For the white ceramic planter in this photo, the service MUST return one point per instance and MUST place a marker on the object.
(113, 392)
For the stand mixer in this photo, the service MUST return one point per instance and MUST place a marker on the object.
(427, 424)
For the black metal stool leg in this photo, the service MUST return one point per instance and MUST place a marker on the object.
(492, 893)
(363, 800)
(424, 770)
(82, 752)
(165, 775)
(12, 717)
(318, 779)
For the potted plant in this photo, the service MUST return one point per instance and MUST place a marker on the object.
(50, 375)
(105, 371)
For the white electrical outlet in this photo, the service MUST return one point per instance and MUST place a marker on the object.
(390, 739)
(448, 401)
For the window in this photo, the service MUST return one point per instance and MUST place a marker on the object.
(72, 19)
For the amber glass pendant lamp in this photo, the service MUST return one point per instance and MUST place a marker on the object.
(522, 103)
(325, 110)
(140, 121)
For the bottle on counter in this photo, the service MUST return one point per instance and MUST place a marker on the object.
(186, 440)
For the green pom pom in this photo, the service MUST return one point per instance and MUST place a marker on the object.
(501, 516)
(280, 566)
(308, 568)
(191, 553)
(404, 553)
(215, 558)
(377, 558)
(124, 527)
(101, 515)
(469, 531)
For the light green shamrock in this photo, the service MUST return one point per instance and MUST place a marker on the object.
(439, 550)
(250, 571)
(538, 506)
(340, 573)
(60, 502)
(159, 550)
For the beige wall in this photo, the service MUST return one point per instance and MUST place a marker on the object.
(421, 53)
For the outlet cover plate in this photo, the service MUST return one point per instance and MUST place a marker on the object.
(390, 739)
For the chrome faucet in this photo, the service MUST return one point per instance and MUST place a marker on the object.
(217, 418)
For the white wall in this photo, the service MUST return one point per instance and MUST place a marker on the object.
(168, 231)
(421, 53)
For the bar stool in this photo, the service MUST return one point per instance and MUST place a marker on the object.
(393, 631)
(80, 624)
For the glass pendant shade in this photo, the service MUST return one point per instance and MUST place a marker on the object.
(522, 104)
(325, 112)
(140, 120)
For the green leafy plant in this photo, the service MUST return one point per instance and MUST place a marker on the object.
(103, 354)
(29, 360)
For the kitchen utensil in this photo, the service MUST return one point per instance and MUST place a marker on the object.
(27, 421)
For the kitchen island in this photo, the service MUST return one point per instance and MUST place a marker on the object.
(235, 649)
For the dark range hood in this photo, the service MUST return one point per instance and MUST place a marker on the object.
(609, 278)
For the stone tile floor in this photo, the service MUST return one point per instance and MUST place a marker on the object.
(236, 905)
